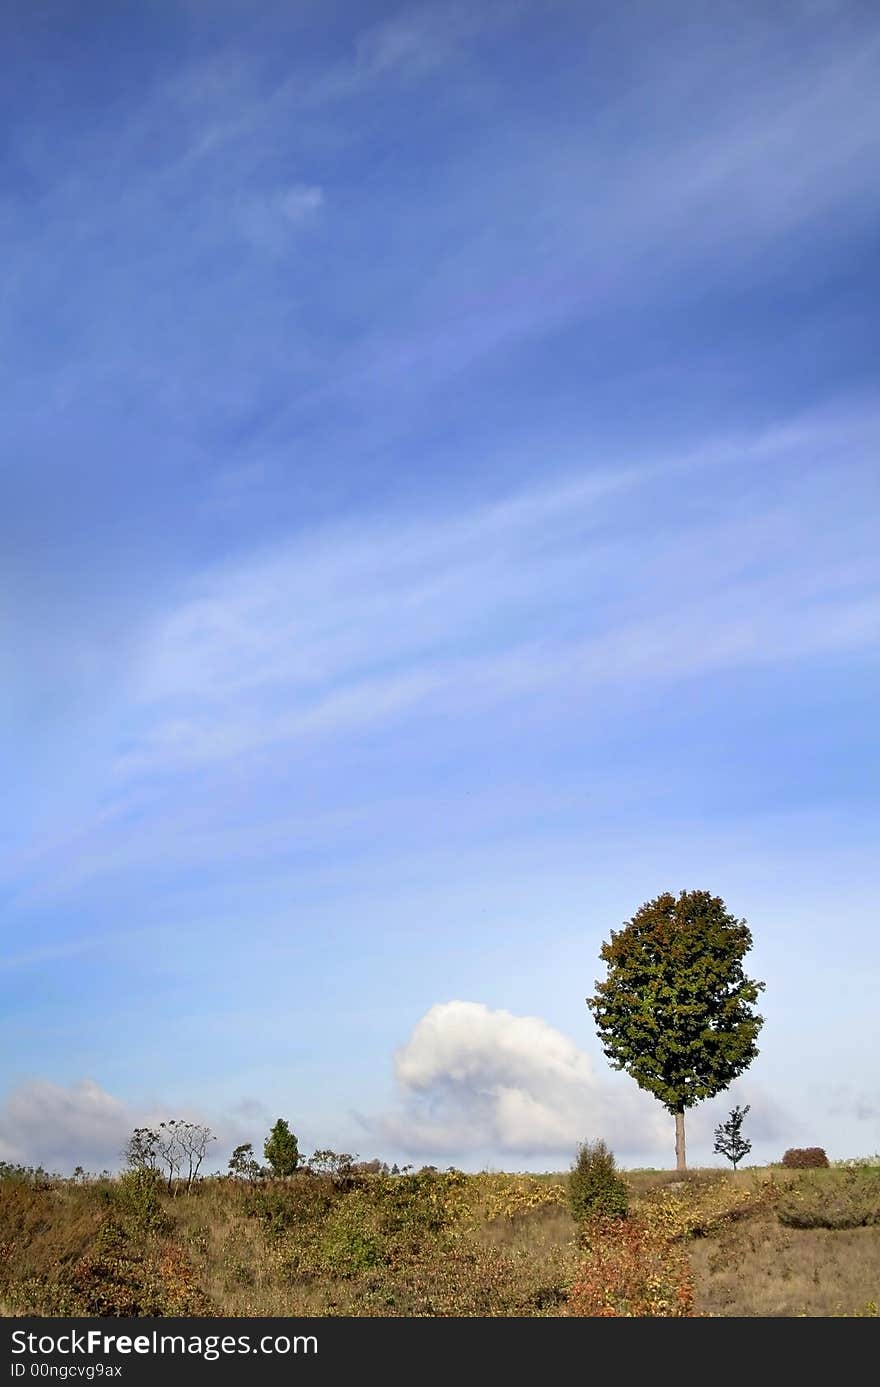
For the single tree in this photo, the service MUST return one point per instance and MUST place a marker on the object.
(332, 1162)
(141, 1151)
(169, 1150)
(281, 1149)
(729, 1140)
(193, 1140)
(676, 1009)
(244, 1165)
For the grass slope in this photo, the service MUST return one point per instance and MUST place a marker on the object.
(763, 1243)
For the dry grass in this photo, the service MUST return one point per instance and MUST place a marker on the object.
(759, 1268)
(445, 1245)
(56, 1224)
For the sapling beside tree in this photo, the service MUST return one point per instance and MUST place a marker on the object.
(729, 1140)
(676, 1008)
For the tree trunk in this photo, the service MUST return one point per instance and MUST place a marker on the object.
(680, 1162)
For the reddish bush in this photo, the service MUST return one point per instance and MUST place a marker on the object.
(805, 1158)
(631, 1269)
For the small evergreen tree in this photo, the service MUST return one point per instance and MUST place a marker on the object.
(281, 1149)
(729, 1140)
(594, 1185)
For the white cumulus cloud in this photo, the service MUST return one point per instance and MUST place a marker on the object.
(475, 1079)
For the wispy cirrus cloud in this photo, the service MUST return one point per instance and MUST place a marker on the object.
(393, 506)
(355, 625)
(268, 222)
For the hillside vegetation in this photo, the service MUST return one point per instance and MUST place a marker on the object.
(441, 1243)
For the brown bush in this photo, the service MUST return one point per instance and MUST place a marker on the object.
(805, 1158)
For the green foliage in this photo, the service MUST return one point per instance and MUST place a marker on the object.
(335, 1163)
(141, 1151)
(805, 1158)
(353, 1238)
(676, 1008)
(280, 1208)
(836, 1199)
(137, 1197)
(281, 1150)
(25, 1174)
(729, 1140)
(594, 1185)
(244, 1166)
(423, 1204)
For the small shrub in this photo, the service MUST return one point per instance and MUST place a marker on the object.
(338, 1164)
(631, 1269)
(138, 1199)
(275, 1211)
(594, 1185)
(353, 1239)
(805, 1158)
(423, 1205)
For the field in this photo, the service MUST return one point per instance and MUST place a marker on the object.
(761, 1243)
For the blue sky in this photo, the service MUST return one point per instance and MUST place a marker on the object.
(439, 512)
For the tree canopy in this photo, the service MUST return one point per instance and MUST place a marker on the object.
(281, 1149)
(676, 1007)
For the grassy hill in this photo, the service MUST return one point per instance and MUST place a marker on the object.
(762, 1242)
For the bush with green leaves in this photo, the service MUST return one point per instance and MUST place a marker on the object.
(838, 1199)
(595, 1186)
(137, 1197)
(353, 1239)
